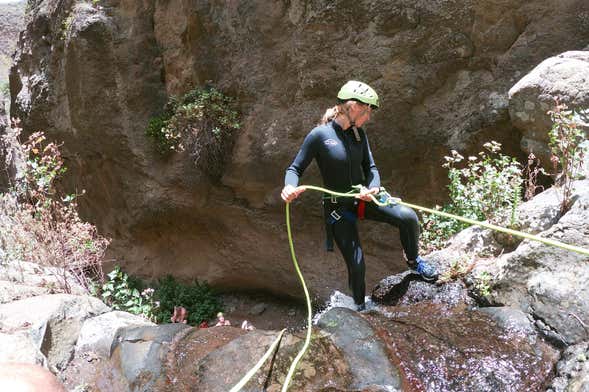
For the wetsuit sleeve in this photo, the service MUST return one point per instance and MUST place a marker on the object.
(302, 160)
(370, 170)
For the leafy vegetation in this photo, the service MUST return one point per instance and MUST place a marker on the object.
(203, 122)
(120, 292)
(568, 147)
(198, 298)
(482, 284)
(480, 188)
(157, 304)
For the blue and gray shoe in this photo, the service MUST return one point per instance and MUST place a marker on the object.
(423, 268)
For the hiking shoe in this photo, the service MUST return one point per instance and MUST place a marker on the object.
(423, 268)
(360, 307)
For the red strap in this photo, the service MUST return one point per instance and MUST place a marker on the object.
(361, 208)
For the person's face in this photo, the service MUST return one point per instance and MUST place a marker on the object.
(362, 113)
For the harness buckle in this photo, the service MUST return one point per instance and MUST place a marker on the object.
(333, 199)
(335, 215)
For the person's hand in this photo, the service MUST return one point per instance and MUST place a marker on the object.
(289, 193)
(365, 193)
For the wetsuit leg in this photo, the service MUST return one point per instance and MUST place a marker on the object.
(402, 217)
(345, 234)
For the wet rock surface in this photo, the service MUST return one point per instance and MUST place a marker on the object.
(365, 353)
(408, 288)
(447, 349)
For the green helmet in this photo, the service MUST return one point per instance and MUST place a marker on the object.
(358, 91)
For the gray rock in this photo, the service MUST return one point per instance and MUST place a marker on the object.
(362, 348)
(98, 333)
(22, 279)
(564, 77)
(19, 347)
(512, 320)
(52, 321)
(139, 351)
(572, 371)
(10, 291)
(549, 283)
(258, 309)
(409, 288)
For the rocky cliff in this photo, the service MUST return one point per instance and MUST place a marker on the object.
(92, 73)
(11, 23)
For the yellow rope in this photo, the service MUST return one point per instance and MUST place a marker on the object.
(258, 365)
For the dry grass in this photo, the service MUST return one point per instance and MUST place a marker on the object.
(38, 224)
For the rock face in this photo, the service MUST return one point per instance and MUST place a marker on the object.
(564, 78)
(11, 23)
(92, 74)
(551, 283)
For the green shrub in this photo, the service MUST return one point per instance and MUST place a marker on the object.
(483, 188)
(122, 293)
(482, 284)
(198, 299)
(568, 151)
(202, 122)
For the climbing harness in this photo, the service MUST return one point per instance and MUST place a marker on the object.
(382, 199)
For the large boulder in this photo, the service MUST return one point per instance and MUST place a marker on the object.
(551, 283)
(98, 335)
(363, 348)
(563, 79)
(92, 74)
(139, 352)
(53, 322)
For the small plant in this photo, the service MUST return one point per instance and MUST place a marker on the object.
(485, 187)
(66, 26)
(458, 269)
(120, 293)
(566, 144)
(531, 172)
(198, 298)
(203, 122)
(482, 284)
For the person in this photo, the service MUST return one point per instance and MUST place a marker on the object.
(340, 147)
(247, 326)
(180, 314)
(221, 322)
(27, 377)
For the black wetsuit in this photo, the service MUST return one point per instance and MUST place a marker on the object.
(343, 162)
